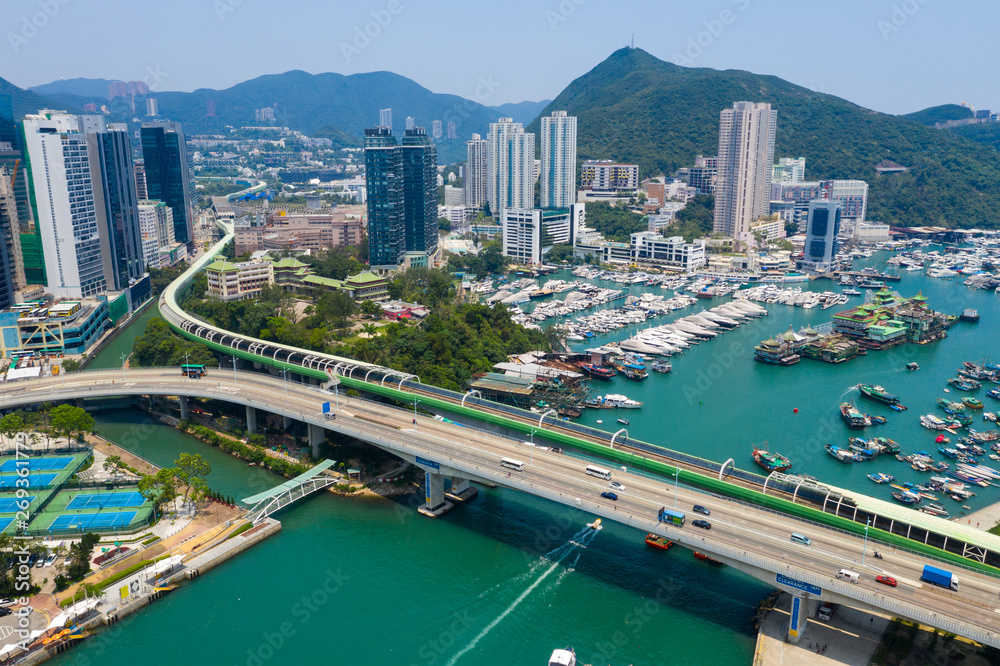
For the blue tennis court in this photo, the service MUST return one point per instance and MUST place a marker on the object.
(36, 464)
(104, 500)
(12, 504)
(5, 523)
(34, 480)
(85, 521)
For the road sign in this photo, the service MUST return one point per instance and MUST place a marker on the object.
(798, 585)
(326, 407)
(428, 463)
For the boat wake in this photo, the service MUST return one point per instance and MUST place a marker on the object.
(556, 556)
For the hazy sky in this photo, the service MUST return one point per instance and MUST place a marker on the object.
(891, 55)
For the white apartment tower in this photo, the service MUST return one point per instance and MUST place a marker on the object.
(745, 166)
(510, 167)
(156, 226)
(385, 118)
(67, 204)
(475, 172)
(558, 169)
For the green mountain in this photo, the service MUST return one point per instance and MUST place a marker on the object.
(25, 101)
(521, 112)
(987, 134)
(938, 114)
(635, 108)
(92, 88)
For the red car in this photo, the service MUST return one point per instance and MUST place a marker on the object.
(886, 580)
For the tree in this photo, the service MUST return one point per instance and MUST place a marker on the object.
(70, 365)
(113, 465)
(159, 488)
(444, 224)
(371, 309)
(11, 424)
(71, 421)
(191, 470)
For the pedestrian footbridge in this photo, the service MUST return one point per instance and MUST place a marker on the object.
(264, 504)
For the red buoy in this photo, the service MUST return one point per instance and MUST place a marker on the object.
(795, 411)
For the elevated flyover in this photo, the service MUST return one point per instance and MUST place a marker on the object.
(746, 535)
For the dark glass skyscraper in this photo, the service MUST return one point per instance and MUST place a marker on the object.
(420, 192)
(121, 240)
(384, 182)
(169, 174)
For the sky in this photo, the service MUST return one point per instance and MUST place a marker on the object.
(894, 56)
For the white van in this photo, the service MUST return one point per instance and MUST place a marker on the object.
(798, 538)
(844, 574)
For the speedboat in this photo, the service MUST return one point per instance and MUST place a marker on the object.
(596, 525)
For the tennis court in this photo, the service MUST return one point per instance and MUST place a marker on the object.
(85, 521)
(5, 523)
(104, 500)
(12, 504)
(34, 480)
(35, 464)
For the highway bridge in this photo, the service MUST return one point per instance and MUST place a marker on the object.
(752, 538)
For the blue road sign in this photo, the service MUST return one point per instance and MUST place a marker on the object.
(427, 463)
(326, 408)
(798, 585)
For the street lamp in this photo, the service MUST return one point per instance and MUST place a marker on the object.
(531, 449)
(415, 403)
(124, 374)
(863, 552)
(284, 374)
(187, 361)
(677, 473)
(234, 369)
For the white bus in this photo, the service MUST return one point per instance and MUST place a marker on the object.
(512, 464)
(598, 472)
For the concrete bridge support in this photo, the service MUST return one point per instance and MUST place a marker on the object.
(184, 407)
(801, 610)
(317, 434)
(286, 422)
(251, 419)
(461, 491)
(435, 504)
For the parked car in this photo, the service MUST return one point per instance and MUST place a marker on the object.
(886, 580)
(609, 495)
(698, 508)
(616, 485)
(703, 524)
(4, 612)
(32, 559)
(50, 560)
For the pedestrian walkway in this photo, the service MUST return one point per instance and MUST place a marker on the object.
(983, 519)
(851, 637)
(175, 518)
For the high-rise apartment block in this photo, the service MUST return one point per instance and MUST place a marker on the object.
(420, 237)
(410, 122)
(510, 168)
(745, 166)
(11, 261)
(169, 174)
(114, 169)
(607, 176)
(152, 107)
(156, 229)
(452, 131)
(558, 163)
(436, 129)
(385, 118)
(475, 172)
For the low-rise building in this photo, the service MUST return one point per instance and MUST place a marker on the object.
(871, 232)
(651, 248)
(297, 232)
(528, 232)
(608, 176)
(236, 281)
(69, 327)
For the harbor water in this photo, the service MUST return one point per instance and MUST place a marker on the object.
(502, 580)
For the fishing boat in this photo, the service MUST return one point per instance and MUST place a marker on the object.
(950, 407)
(852, 417)
(840, 454)
(623, 421)
(877, 393)
(906, 497)
(964, 383)
(932, 422)
(661, 366)
(912, 366)
(598, 371)
(933, 510)
(656, 541)
(876, 420)
(632, 373)
(772, 462)
(705, 558)
(972, 403)
(994, 393)
(881, 477)
(887, 445)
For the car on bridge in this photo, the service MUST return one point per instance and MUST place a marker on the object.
(616, 486)
(703, 524)
(886, 580)
(698, 508)
(609, 495)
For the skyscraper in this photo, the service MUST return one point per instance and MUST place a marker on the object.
(169, 174)
(152, 107)
(140, 180)
(821, 235)
(419, 196)
(120, 238)
(510, 166)
(745, 165)
(384, 184)
(452, 133)
(67, 206)
(475, 172)
(12, 267)
(558, 160)
(385, 118)
(410, 122)
(12, 153)
(436, 129)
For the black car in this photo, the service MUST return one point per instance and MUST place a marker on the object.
(4, 612)
(704, 524)
(698, 508)
(609, 495)
(32, 559)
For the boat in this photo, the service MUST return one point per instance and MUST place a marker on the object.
(972, 403)
(565, 657)
(852, 417)
(596, 525)
(621, 401)
(840, 454)
(705, 558)
(932, 422)
(772, 462)
(887, 445)
(632, 373)
(598, 371)
(994, 393)
(662, 366)
(623, 421)
(912, 366)
(970, 315)
(656, 541)
(881, 477)
(877, 393)
(949, 407)
(906, 497)
(964, 383)
(877, 420)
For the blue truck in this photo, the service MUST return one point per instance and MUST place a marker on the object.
(940, 577)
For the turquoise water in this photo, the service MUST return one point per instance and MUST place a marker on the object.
(351, 581)
(111, 356)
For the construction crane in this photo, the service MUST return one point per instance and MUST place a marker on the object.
(969, 107)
